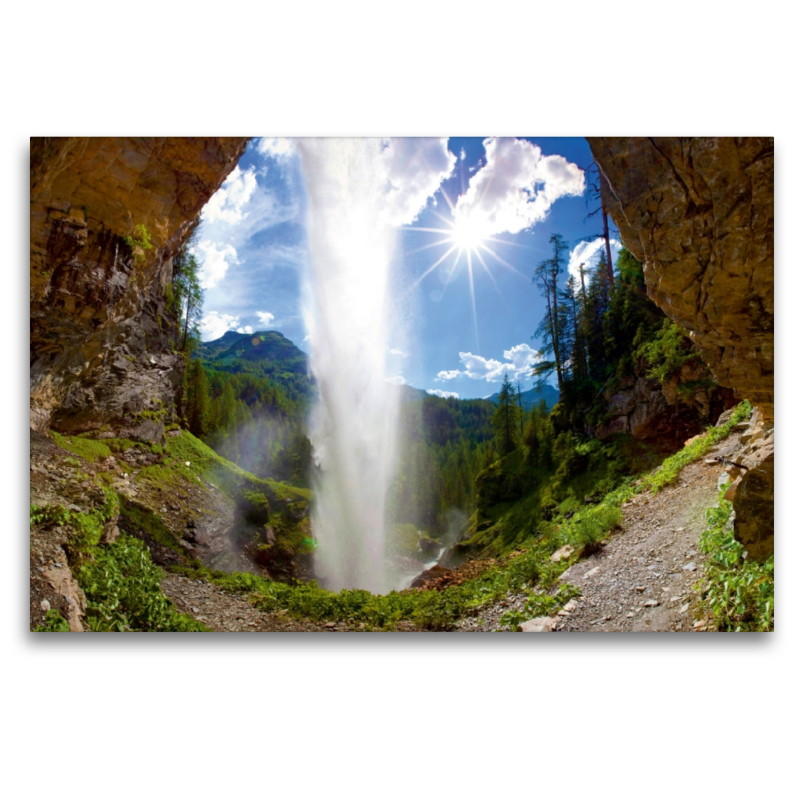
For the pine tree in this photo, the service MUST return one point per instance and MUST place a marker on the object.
(198, 402)
(551, 330)
(506, 419)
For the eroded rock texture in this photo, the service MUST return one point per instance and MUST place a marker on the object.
(100, 329)
(699, 213)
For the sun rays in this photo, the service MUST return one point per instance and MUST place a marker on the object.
(467, 240)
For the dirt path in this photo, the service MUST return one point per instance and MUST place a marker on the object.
(643, 579)
(225, 611)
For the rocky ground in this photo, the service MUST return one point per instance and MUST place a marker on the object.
(225, 611)
(643, 578)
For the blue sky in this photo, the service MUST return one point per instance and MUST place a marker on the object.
(512, 194)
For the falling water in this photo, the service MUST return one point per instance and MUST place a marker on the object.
(349, 320)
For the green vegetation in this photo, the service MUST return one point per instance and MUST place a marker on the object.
(123, 591)
(671, 467)
(737, 591)
(667, 351)
(138, 240)
(507, 419)
(91, 450)
(426, 609)
(87, 527)
(53, 623)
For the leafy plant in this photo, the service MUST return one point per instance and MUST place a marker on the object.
(123, 592)
(738, 591)
(139, 239)
(667, 351)
(53, 623)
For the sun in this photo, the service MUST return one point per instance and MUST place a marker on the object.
(467, 234)
(466, 237)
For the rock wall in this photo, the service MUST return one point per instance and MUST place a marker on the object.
(665, 414)
(699, 213)
(101, 333)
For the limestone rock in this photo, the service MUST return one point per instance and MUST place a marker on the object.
(100, 327)
(698, 212)
(538, 625)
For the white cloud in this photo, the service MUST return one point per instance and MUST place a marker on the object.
(440, 393)
(397, 380)
(276, 147)
(245, 329)
(519, 361)
(395, 177)
(522, 357)
(227, 202)
(213, 325)
(395, 352)
(215, 259)
(479, 368)
(516, 187)
(414, 169)
(588, 254)
(448, 375)
(265, 318)
(463, 154)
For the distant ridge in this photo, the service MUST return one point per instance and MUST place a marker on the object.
(534, 396)
(270, 348)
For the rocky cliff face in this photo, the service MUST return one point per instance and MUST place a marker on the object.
(100, 329)
(698, 212)
(666, 414)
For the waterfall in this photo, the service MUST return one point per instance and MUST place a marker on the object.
(349, 321)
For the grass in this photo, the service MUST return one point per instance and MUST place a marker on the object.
(738, 592)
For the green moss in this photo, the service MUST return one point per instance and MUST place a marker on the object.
(137, 519)
(91, 450)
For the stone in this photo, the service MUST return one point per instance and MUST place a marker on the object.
(651, 603)
(684, 608)
(699, 213)
(537, 625)
(591, 572)
(690, 567)
(640, 588)
(562, 553)
(98, 313)
(45, 605)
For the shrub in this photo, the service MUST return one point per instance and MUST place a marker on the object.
(123, 592)
(737, 591)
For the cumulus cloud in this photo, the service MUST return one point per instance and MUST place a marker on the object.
(448, 375)
(516, 187)
(519, 361)
(213, 325)
(227, 202)
(395, 177)
(276, 147)
(245, 329)
(265, 318)
(440, 393)
(588, 254)
(397, 380)
(414, 170)
(215, 259)
(479, 368)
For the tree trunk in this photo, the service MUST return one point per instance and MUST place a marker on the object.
(609, 262)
